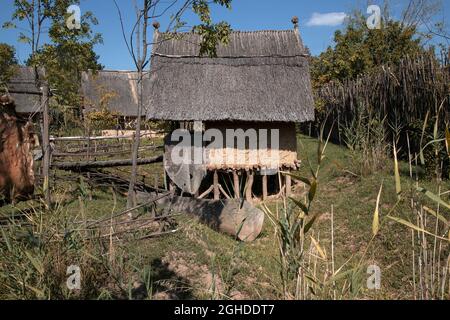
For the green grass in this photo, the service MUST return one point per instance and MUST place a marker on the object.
(251, 270)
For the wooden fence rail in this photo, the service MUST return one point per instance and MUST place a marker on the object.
(83, 165)
(402, 94)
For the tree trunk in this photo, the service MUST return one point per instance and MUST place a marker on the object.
(46, 143)
(248, 191)
(142, 57)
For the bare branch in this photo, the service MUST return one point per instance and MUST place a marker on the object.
(123, 32)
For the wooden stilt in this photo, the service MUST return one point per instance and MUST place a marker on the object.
(288, 182)
(237, 190)
(216, 186)
(248, 191)
(264, 186)
(204, 194)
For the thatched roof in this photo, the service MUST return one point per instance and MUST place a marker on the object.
(22, 88)
(115, 90)
(259, 76)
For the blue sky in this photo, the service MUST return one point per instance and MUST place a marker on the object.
(316, 28)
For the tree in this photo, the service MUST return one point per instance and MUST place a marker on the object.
(359, 49)
(69, 54)
(64, 61)
(34, 14)
(70, 51)
(8, 63)
(147, 11)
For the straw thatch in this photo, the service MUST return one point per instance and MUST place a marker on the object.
(264, 156)
(115, 90)
(258, 76)
(402, 94)
(23, 89)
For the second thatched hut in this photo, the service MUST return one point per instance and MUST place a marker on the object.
(257, 87)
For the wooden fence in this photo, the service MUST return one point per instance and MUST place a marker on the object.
(401, 94)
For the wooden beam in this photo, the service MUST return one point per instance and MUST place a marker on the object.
(237, 188)
(224, 192)
(264, 186)
(216, 185)
(96, 153)
(204, 194)
(82, 138)
(248, 191)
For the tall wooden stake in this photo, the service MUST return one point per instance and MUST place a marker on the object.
(140, 61)
(288, 182)
(216, 186)
(248, 191)
(46, 143)
(237, 188)
(264, 186)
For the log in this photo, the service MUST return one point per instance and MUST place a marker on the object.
(82, 153)
(95, 138)
(87, 138)
(238, 219)
(103, 164)
(225, 194)
(46, 141)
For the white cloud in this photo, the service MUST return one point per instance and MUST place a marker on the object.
(331, 19)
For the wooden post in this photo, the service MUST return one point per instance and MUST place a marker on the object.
(90, 186)
(171, 186)
(46, 143)
(288, 182)
(248, 191)
(216, 186)
(264, 186)
(156, 185)
(237, 188)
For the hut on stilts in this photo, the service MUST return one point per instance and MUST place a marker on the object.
(258, 87)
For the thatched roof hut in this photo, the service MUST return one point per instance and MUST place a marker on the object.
(23, 89)
(259, 82)
(258, 76)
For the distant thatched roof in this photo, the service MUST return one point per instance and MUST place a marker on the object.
(22, 88)
(259, 76)
(115, 90)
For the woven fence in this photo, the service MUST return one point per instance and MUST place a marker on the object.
(400, 94)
